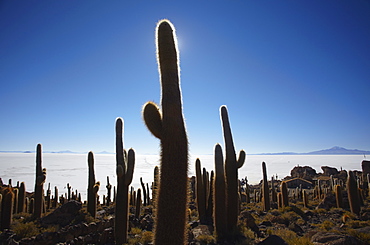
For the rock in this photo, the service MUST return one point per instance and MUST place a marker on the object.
(305, 172)
(329, 238)
(249, 221)
(328, 202)
(327, 171)
(273, 240)
(365, 167)
(201, 230)
(63, 215)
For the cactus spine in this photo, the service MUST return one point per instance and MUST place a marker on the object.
(231, 173)
(169, 127)
(39, 184)
(92, 189)
(352, 189)
(265, 189)
(125, 170)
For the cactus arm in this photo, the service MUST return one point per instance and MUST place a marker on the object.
(241, 159)
(153, 119)
(130, 167)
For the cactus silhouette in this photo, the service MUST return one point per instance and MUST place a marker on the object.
(305, 198)
(92, 188)
(339, 196)
(168, 125)
(144, 191)
(232, 164)
(125, 170)
(39, 184)
(353, 197)
(7, 208)
(138, 204)
(265, 189)
(284, 194)
(200, 192)
(109, 191)
(22, 198)
(220, 221)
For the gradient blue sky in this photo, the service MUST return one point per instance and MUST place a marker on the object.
(295, 75)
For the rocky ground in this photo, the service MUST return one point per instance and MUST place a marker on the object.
(320, 223)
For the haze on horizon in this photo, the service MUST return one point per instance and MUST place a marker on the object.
(294, 75)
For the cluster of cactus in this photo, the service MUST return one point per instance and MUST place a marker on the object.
(125, 170)
(168, 125)
(146, 196)
(226, 224)
(204, 193)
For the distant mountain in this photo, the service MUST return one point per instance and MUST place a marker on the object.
(336, 150)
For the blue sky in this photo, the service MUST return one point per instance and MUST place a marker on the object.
(295, 75)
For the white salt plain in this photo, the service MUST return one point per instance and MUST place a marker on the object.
(72, 168)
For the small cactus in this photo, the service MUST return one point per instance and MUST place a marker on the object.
(138, 204)
(305, 198)
(109, 191)
(144, 191)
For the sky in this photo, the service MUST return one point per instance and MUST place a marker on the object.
(294, 75)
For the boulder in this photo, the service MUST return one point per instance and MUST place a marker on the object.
(273, 240)
(305, 172)
(327, 171)
(328, 202)
(329, 238)
(64, 214)
(365, 167)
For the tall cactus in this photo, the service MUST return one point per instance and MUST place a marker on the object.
(284, 194)
(232, 164)
(265, 189)
(39, 184)
(220, 215)
(7, 209)
(168, 125)
(125, 170)
(200, 192)
(22, 198)
(339, 196)
(353, 198)
(92, 189)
